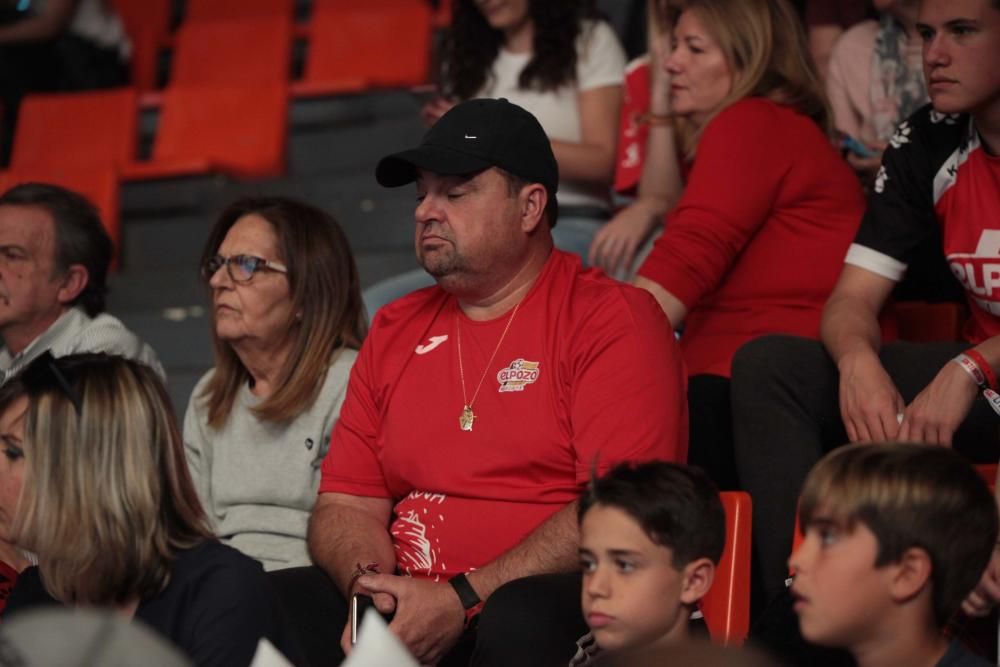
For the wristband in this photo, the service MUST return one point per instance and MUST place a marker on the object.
(468, 597)
(362, 570)
(985, 368)
(972, 368)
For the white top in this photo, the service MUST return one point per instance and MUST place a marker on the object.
(600, 62)
(258, 480)
(96, 21)
(74, 332)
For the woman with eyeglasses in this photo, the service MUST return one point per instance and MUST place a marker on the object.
(101, 493)
(287, 323)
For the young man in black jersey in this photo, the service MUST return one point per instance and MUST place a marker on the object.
(794, 399)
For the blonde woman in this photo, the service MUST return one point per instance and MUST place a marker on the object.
(769, 208)
(108, 506)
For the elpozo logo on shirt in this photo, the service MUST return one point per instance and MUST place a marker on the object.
(518, 375)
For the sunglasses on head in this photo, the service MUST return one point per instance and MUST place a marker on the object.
(43, 374)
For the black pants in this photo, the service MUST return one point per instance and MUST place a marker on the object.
(711, 430)
(786, 416)
(530, 621)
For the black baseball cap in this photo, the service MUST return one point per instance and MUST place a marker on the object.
(473, 136)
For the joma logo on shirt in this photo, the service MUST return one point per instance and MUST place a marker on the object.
(518, 375)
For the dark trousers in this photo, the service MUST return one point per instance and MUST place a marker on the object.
(786, 416)
(711, 430)
(534, 621)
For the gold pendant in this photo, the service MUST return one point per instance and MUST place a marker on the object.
(465, 421)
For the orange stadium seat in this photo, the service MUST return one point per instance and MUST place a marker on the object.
(99, 184)
(88, 128)
(253, 51)
(355, 45)
(727, 604)
(238, 130)
(148, 25)
(213, 10)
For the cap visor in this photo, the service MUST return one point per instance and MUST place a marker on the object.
(401, 168)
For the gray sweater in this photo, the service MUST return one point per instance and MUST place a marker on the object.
(258, 480)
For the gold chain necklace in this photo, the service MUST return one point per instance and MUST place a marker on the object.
(466, 419)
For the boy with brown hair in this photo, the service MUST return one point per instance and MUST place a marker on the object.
(896, 536)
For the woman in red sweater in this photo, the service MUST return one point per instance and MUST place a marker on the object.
(768, 210)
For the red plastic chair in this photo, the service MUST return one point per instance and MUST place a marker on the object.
(253, 51)
(99, 184)
(726, 606)
(214, 10)
(238, 130)
(355, 45)
(147, 23)
(89, 128)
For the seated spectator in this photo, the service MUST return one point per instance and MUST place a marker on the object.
(650, 538)
(769, 208)
(795, 399)
(57, 45)
(649, 158)
(896, 536)
(288, 323)
(108, 506)
(826, 21)
(54, 259)
(559, 61)
(477, 410)
(876, 81)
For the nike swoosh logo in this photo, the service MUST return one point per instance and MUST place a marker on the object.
(431, 344)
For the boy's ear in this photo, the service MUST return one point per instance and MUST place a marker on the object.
(910, 575)
(696, 579)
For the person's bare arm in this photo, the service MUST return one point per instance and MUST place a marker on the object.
(346, 531)
(821, 41)
(869, 401)
(592, 159)
(671, 305)
(48, 25)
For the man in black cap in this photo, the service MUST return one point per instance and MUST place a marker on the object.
(479, 408)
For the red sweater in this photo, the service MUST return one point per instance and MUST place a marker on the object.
(758, 239)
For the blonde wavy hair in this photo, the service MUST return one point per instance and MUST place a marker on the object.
(765, 46)
(107, 500)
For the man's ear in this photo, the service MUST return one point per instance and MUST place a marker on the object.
(697, 578)
(910, 575)
(72, 283)
(533, 201)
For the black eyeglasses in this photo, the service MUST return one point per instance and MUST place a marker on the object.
(240, 267)
(43, 374)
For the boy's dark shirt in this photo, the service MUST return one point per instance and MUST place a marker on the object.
(958, 656)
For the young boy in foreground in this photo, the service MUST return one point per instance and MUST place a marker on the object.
(650, 537)
(896, 536)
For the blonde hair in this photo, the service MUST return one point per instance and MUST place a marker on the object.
(910, 496)
(765, 46)
(107, 499)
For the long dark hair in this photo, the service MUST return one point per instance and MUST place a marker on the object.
(470, 46)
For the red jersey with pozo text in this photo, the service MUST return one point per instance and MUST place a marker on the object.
(587, 375)
(937, 175)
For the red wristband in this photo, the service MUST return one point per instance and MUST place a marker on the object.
(987, 370)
